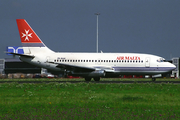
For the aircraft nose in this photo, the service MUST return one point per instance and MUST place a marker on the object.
(173, 66)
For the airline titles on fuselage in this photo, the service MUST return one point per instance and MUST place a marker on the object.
(128, 58)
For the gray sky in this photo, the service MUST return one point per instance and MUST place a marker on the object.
(137, 26)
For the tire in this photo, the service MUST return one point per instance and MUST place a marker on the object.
(97, 79)
(87, 79)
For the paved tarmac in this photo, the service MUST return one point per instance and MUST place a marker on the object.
(99, 82)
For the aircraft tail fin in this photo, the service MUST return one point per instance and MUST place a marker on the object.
(30, 41)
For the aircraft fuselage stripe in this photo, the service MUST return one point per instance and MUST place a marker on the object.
(143, 68)
(33, 45)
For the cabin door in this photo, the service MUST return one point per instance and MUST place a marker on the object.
(147, 62)
(47, 61)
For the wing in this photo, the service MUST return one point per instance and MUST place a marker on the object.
(75, 67)
(83, 68)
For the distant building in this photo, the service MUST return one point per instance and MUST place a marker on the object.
(175, 72)
(2, 66)
(12, 65)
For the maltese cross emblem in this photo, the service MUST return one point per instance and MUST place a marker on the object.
(26, 34)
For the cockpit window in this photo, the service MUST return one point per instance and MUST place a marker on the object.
(160, 60)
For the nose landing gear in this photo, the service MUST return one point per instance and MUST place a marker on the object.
(153, 79)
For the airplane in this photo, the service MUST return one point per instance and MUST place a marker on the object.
(88, 65)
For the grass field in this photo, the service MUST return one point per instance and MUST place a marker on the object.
(89, 101)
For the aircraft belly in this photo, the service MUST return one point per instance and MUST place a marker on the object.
(142, 70)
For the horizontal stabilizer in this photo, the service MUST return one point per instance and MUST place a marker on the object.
(24, 55)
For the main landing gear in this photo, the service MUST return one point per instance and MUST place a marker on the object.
(95, 79)
(87, 79)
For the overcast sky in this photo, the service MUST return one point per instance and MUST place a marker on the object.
(136, 26)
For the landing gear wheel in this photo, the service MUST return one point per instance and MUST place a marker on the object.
(87, 79)
(153, 79)
(97, 79)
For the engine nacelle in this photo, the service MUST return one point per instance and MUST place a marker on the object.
(157, 76)
(97, 73)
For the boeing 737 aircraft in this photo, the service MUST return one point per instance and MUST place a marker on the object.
(88, 65)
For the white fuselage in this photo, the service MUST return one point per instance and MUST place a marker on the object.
(118, 63)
